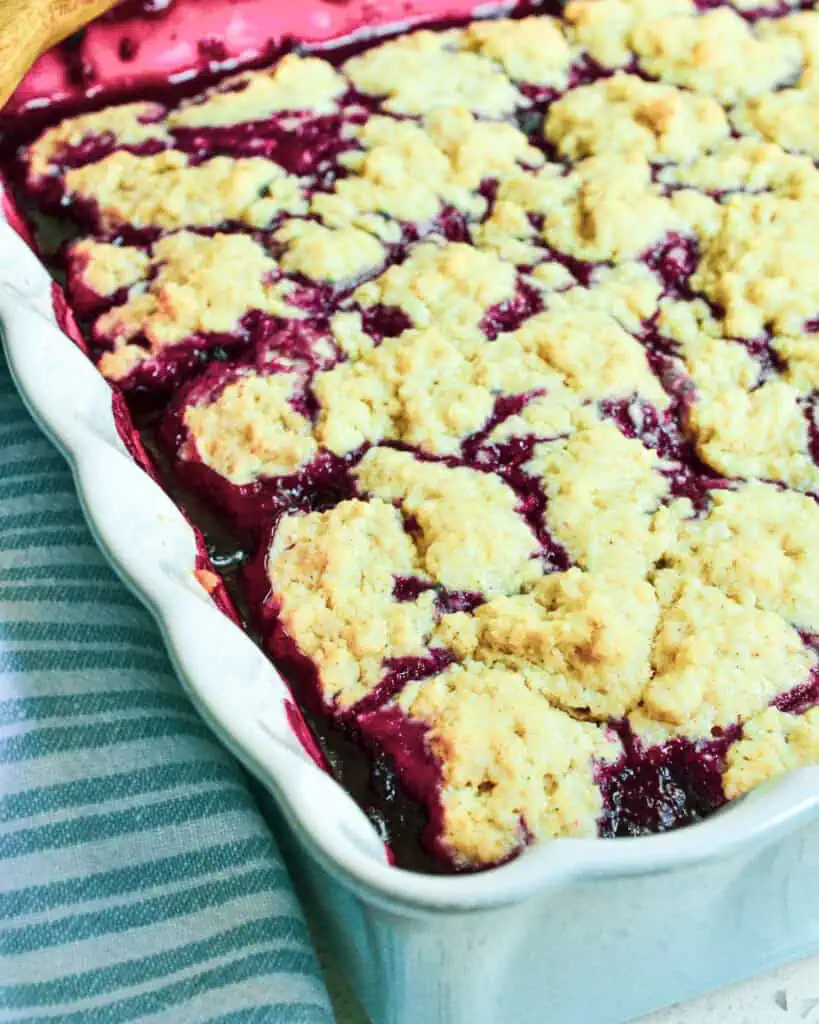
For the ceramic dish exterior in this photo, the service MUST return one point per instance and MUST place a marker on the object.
(547, 938)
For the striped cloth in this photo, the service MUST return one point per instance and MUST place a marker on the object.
(138, 880)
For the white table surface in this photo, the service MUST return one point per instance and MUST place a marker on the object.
(789, 995)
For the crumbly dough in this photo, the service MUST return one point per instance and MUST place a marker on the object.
(603, 491)
(593, 354)
(716, 660)
(625, 114)
(757, 543)
(294, 83)
(424, 71)
(511, 764)
(336, 256)
(166, 191)
(107, 268)
(189, 294)
(788, 118)
(450, 284)
(590, 212)
(131, 124)
(471, 536)
(604, 28)
(530, 49)
(581, 639)
(251, 429)
(801, 357)
(772, 743)
(717, 53)
(751, 165)
(761, 434)
(761, 265)
(422, 388)
(332, 575)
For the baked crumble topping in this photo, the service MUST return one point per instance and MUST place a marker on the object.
(499, 342)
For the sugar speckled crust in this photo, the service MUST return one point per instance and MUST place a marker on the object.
(332, 575)
(295, 83)
(165, 191)
(471, 537)
(772, 743)
(511, 763)
(251, 428)
(543, 293)
(189, 294)
(624, 114)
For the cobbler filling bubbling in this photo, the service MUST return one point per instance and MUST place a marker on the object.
(497, 344)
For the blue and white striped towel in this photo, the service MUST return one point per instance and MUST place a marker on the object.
(138, 880)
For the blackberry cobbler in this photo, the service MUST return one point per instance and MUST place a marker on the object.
(500, 343)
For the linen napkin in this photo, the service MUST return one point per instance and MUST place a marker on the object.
(138, 879)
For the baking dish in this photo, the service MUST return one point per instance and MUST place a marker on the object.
(407, 940)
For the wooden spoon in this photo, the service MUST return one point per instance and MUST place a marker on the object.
(30, 27)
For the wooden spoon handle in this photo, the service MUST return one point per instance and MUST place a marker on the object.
(29, 27)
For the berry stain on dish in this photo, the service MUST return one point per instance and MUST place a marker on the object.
(483, 357)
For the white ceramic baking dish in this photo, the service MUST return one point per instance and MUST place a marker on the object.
(572, 932)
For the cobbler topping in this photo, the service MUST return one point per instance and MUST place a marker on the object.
(533, 50)
(757, 543)
(129, 125)
(499, 344)
(772, 743)
(717, 53)
(715, 660)
(748, 165)
(166, 191)
(424, 71)
(762, 433)
(451, 284)
(469, 531)
(190, 293)
(106, 268)
(253, 428)
(605, 28)
(603, 491)
(759, 264)
(789, 118)
(295, 83)
(326, 254)
(503, 747)
(624, 114)
(333, 575)
(583, 640)
(589, 213)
